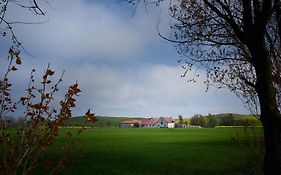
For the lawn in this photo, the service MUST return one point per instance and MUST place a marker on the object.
(139, 151)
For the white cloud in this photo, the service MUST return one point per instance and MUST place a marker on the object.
(100, 47)
(155, 90)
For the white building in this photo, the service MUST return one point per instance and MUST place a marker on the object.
(162, 122)
(130, 123)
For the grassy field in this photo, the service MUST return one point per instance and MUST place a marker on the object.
(139, 151)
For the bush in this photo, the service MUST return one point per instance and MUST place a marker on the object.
(25, 149)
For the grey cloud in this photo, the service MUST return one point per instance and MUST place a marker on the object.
(159, 90)
(79, 30)
(79, 37)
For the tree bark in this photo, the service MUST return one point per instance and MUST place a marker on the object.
(270, 114)
(272, 145)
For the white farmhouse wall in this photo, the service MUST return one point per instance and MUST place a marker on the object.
(171, 125)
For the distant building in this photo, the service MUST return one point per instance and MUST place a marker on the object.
(130, 123)
(161, 122)
(180, 125)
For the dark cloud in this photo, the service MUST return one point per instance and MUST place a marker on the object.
(123, 67)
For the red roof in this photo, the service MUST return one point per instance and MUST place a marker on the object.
(169, 119)
(131, 122)
(153, 121)
(149, 121)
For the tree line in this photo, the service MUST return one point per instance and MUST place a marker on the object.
(211, 121)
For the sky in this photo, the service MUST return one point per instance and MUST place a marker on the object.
(114, 52)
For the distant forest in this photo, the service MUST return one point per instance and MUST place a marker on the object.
(211, 121)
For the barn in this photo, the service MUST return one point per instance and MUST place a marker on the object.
(130, 123)
(162, 122)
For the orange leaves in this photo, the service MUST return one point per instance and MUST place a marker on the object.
(38, 106)
(68, 103)
(48, 96)
(50, 72)
(71, 102)
(14, 68)
(23, 100)
(18, 60)
(42, 120)
(13, 54)
(5, 93)
(90, 117)
(74, 90)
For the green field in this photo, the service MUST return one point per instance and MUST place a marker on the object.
(137, 151)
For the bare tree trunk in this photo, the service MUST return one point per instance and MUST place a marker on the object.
(270, 114)
(272, 161)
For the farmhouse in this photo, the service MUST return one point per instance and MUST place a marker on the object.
(162, 122)
(130, 123)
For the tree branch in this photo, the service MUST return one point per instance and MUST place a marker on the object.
(247, 17)
(240, 35)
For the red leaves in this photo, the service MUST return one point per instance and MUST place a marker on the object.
(90, 117)
(5, 93)
(42, 122)
(74, 90)
(13, 53)
(14, 68)
(71, 102)
(35, 106)
(48, 96)
(18, 60)
(23, 100)
(50, 72)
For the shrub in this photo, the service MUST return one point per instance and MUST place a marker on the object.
(26, 149)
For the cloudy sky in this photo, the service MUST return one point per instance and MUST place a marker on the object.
(123, 67)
